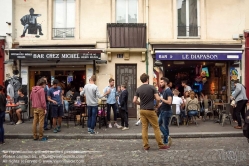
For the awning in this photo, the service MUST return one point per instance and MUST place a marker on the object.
(210, 55)
(55, 54)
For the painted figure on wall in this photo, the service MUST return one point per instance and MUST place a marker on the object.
(29, 22)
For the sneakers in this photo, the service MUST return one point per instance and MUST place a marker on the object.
(89, 131)
(110, 125)
(116, 125)
(55, 130)
(120, 127)
(169, 141)
(165, 147)
(59, 128)
(138, 122)
(19, 122)
(93, 132)
(125, 128)
(43, 139)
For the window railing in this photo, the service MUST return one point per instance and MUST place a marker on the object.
(62, 33)
(188, 31)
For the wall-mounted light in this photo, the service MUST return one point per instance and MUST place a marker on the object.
(9, 23)
(9, 34)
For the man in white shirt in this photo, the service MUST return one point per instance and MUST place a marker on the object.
(186, 87)
(178, 102)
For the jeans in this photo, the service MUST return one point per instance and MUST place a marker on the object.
(240, 109)
(92, 114)
(46, 117)
(146, 117)
(114, 108)
(163, 122)
(2, 116)
(38, 118)
(192, 113)
(66, 104)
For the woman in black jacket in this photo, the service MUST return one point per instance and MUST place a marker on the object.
(2, 113)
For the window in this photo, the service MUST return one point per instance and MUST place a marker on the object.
(188, 18)
(126, 11)
(64, 18)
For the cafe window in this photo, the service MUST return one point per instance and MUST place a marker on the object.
(188, 18)
(64, 18)
(126, 11)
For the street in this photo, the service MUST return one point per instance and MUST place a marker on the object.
(106, 152)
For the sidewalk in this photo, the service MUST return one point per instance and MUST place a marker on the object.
(204, 129)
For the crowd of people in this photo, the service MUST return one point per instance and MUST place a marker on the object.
(155, 107)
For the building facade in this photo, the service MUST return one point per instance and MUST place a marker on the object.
(5, 38)
(121, 39)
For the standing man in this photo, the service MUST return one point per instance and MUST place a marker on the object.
(46, 89)
(147, 93)
(186, 87)
(240, 98)
(56, 98)
(165, 110)
(111, 102)
(92, 94)
(39, 104)
(123, 108)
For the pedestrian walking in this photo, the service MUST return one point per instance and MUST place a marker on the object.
(239, 95)
(92, 94)
(111, 103)
(165, 110)
(123, 108)
(2, 113)
(37, 97)
(56, 99)
(147, 93)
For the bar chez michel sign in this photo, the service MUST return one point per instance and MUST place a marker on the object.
(47, 55)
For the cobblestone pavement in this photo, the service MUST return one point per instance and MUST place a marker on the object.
(108, 152)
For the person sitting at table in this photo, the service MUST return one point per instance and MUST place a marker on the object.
(179, 104)
(22, 102)
(192, 105)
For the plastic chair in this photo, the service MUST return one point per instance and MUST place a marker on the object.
(174, 115)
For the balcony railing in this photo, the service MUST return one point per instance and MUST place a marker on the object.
(127, 35)
(188, 31)
(63, 33)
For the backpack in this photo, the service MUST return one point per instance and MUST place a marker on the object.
(246, 125)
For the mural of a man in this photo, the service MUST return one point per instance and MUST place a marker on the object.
(29, 22)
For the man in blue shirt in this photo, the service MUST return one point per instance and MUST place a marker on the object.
(46, 89)
(111, 102)
(56, 99)
(165, 110)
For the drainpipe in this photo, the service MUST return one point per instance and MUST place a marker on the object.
(2, 62)
(147, 35)
(246, 35)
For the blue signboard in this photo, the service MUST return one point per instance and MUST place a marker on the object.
(198, 55)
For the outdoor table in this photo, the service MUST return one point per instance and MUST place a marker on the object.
(11, 106)
(81, 109)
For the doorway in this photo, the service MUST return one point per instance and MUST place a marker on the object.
(127, 74)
